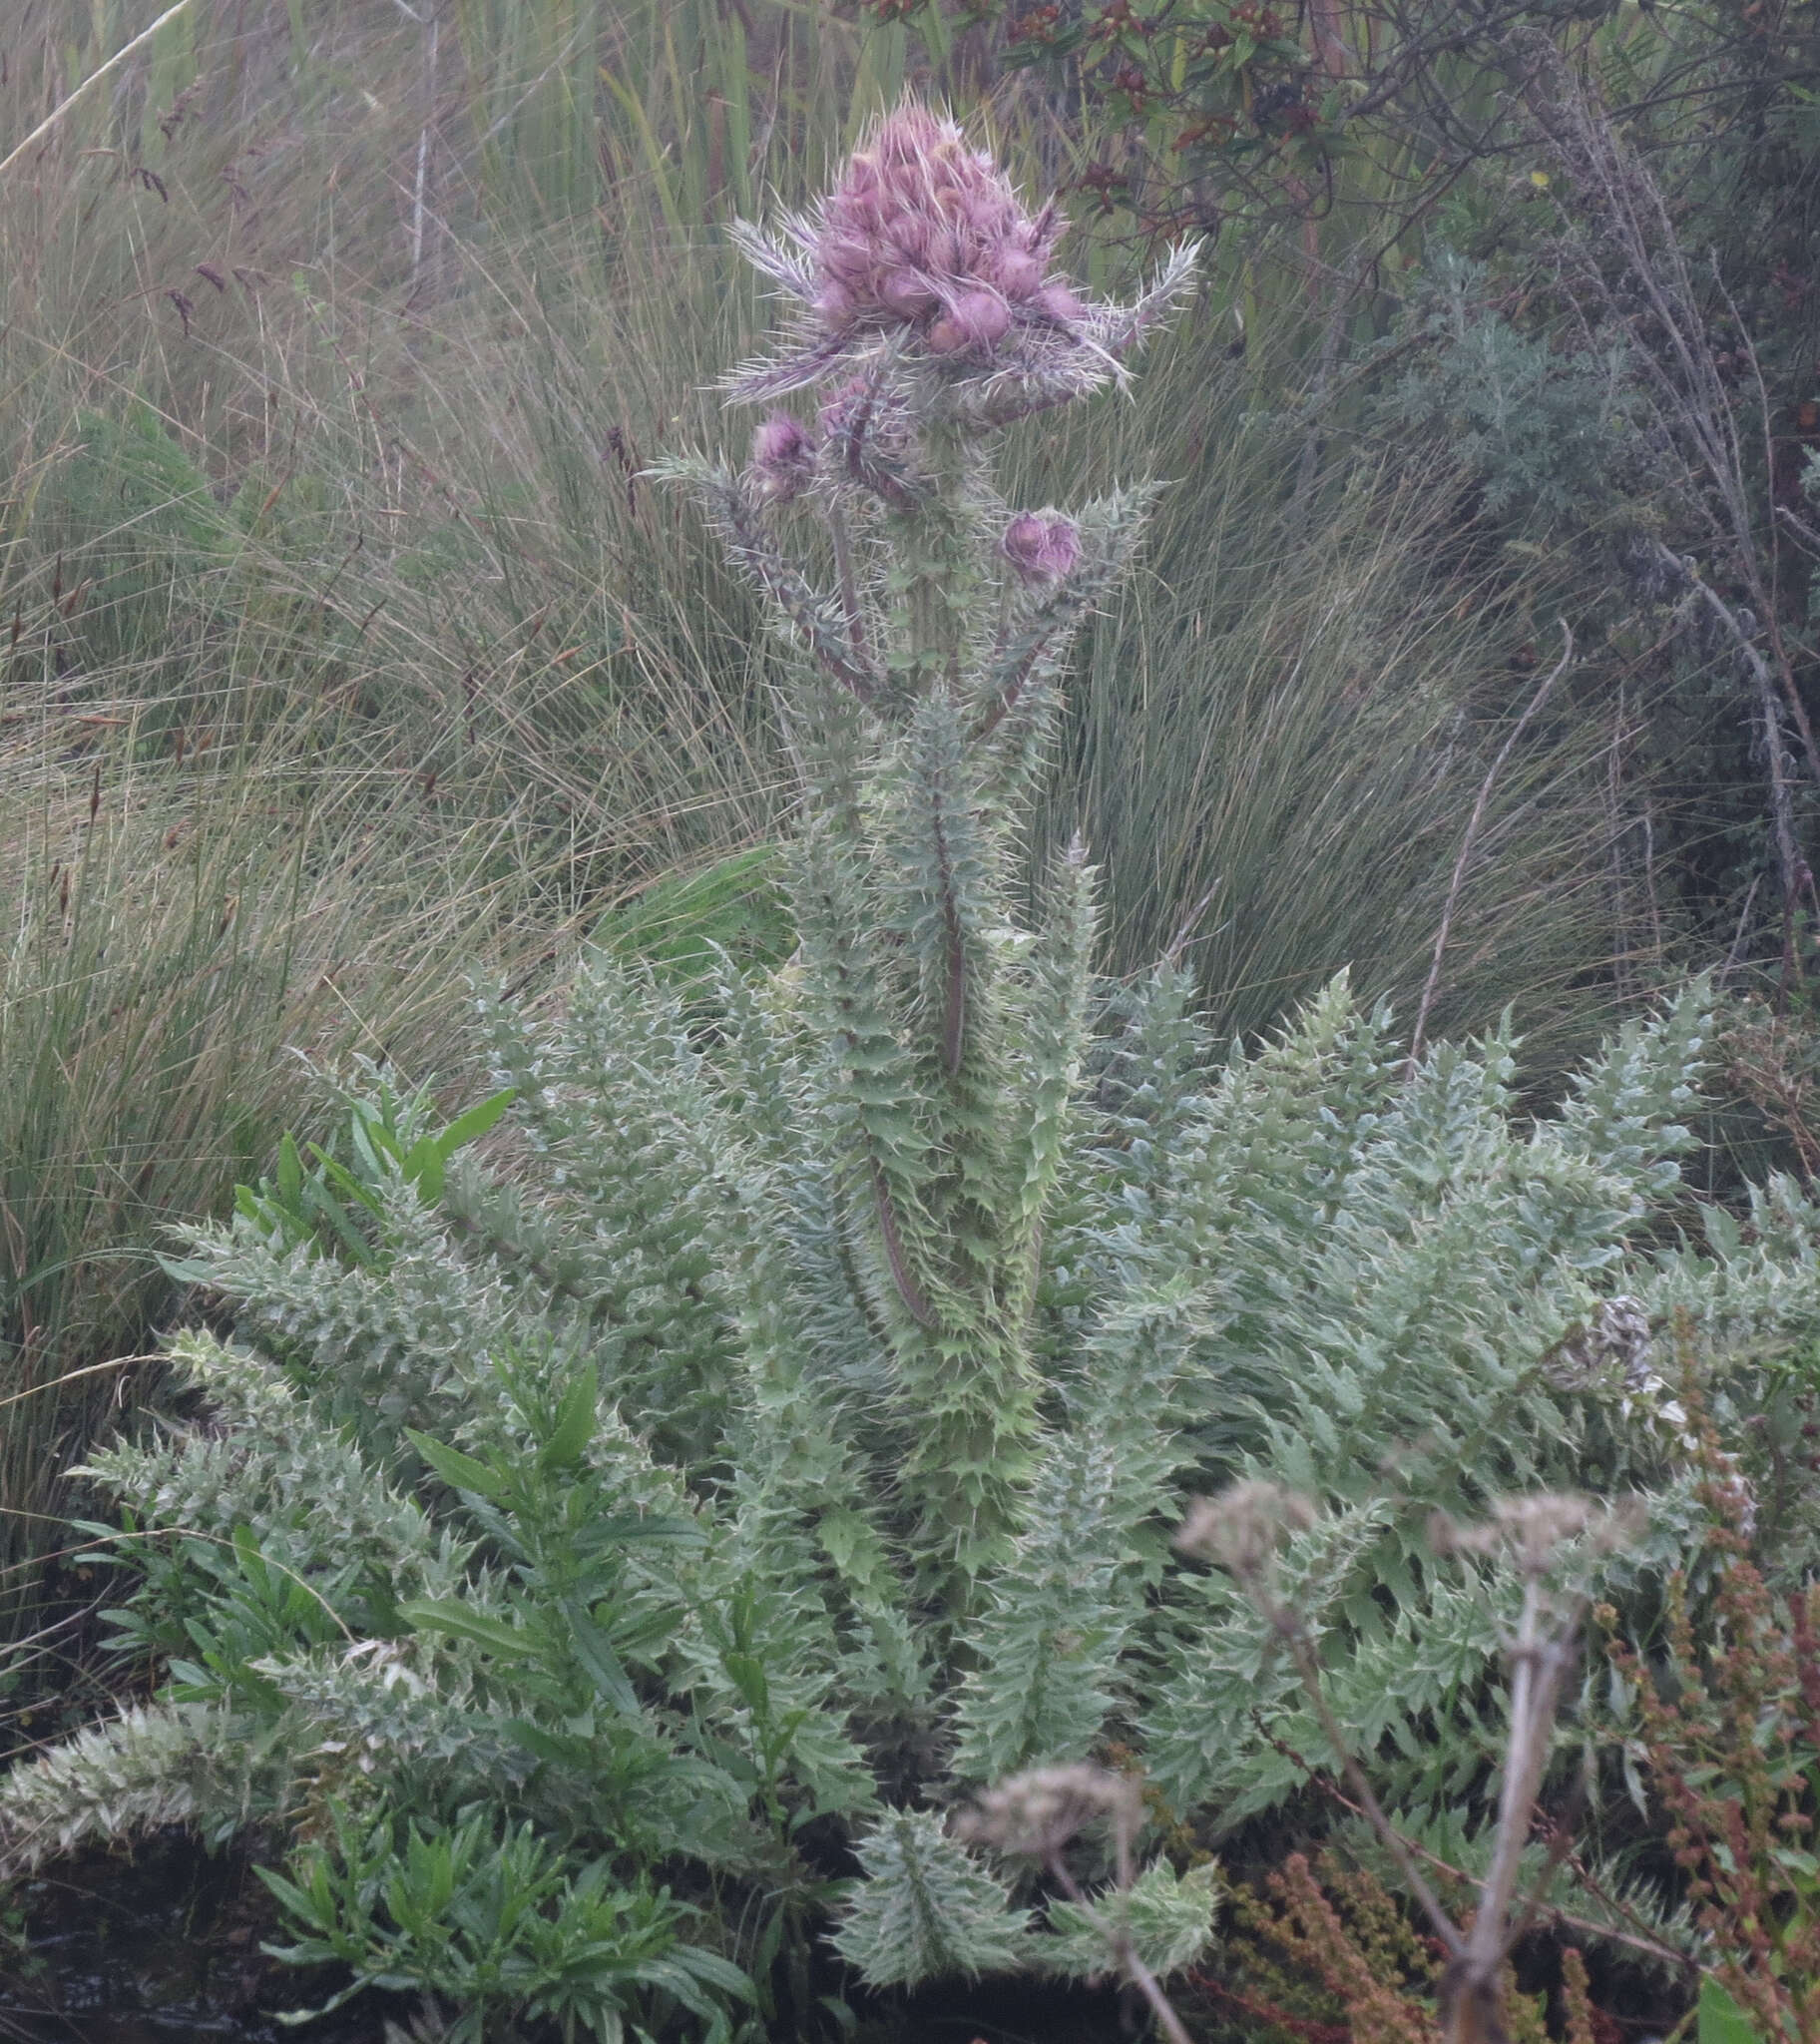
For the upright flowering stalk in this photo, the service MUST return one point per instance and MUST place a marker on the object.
(932, 619)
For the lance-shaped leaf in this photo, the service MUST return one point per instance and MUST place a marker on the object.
(1167, 1916)
(877, 1107)
(940, 881)
(1049, 1650)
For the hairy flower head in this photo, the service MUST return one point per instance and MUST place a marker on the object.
(784, 458)
(1041, 549)
(923, 230)
(925, 248)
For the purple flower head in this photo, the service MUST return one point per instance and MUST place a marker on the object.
(783, 456)
(908, 294)
(834, 306)
(1041, 549)
(1018, 273)
(923, 232)
(925, 245)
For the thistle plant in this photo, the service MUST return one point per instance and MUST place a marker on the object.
(929, 314)
(762, 1429)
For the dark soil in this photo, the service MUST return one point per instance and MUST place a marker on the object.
(156, 1949)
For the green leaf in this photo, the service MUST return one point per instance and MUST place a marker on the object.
(458, 1472)
(446, 1615)
(290, 1174)
(185, 1270)
(748, 1675)
(319, 1199)
(334, 1173)
(246, 1551)
(471, 1126)
(706, 1966)
(594, 1651)
(1722, 2019)
(422, 1167)
(575, 1424)
(369, 1140)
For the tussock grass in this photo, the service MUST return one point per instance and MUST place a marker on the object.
(159, 979)
(344, 649)
(1288, 717)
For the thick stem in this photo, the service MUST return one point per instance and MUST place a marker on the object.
(936, 569)
(954, 988)
(849, 585)
(915, 1304)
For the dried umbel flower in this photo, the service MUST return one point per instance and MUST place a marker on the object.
(1616, 1339)
(784, 458)
(1036, 1814)
(1239, 1529)
(1041, 549)
(1533, 1530)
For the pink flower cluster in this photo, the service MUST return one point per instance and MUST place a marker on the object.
(923, 232)
(1041, 549)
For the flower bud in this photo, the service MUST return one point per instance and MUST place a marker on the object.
(1041, 549)
(783, 456)
(907, 294)
(1018, 273)
(1058, 303)
(910, 238)
(975, 320)
(834, 307)
(1061, 547)
(1022, 543)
